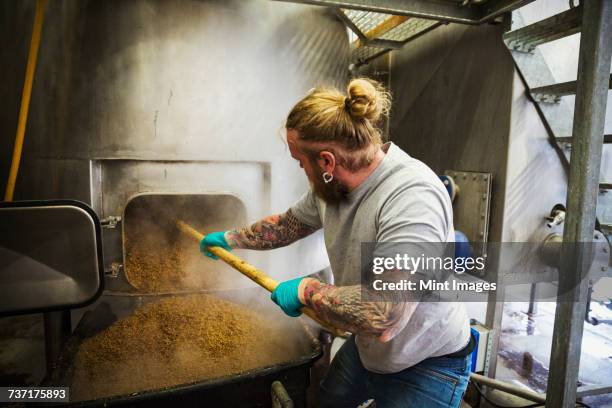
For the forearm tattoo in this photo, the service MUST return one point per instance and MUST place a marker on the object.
(272, 232)
(344, 309)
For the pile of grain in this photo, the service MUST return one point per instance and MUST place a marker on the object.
(175, 341)
(161, 260)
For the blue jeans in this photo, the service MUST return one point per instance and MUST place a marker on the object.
(435, 382)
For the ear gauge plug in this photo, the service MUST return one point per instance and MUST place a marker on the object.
(327, 177)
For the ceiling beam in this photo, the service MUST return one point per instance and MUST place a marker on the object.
(453, 12)
(474, 12)
(349, 23)
(495, 8)
(395, 44)
(381, 29)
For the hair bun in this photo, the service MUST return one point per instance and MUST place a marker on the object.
(367, 99)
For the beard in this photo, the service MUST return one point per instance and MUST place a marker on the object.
(333, 192)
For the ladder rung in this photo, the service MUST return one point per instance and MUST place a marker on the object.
(551, 29)
(568, 139)
(552, 93)
(605, 186)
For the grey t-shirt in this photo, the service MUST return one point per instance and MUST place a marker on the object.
(403, 200)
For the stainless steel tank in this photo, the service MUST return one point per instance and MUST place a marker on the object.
(181, 97)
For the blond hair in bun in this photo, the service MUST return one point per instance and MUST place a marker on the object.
(367, 99)
(349, 122)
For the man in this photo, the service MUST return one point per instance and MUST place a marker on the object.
(407, 353)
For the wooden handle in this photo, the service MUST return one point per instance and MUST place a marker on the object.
(256, 275)
(251, 272)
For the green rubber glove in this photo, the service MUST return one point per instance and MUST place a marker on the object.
(286, 296)
(213, 239)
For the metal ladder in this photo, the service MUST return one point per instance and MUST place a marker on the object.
(523, 43)
(579, 143)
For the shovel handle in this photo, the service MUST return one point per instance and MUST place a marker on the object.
(256, 275)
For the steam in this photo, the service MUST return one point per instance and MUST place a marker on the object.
(159, 258)
(152, 219)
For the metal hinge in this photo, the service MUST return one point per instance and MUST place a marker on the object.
(114, 270)
(110, 222)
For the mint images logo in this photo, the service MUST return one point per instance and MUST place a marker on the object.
(428, 266)
(431, 285)
(418, 271)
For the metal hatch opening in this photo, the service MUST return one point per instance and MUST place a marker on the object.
(159, 259)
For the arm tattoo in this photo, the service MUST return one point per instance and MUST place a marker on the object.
(271, 232)
(344, 309)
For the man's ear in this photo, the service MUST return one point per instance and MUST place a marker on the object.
(327, 161)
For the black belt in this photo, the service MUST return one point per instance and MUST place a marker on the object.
(466, 351)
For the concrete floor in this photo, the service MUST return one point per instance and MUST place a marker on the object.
(525, 346)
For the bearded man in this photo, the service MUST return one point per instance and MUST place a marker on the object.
(408, 354)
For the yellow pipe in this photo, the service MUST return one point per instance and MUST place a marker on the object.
(256, 275)
(25, 99)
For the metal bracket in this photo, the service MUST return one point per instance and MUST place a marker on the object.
(489, 351)
(521, 47)
(111, 221)
(556, 217)
(550, 254)
(115, 269)
(546, 98)
(601, 257)
(472, 205)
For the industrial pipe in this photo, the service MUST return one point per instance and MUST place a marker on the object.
(509, 388)
(280, 396)
(25, 99)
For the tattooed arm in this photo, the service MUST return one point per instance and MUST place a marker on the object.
(344, 309)
(271, 232)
